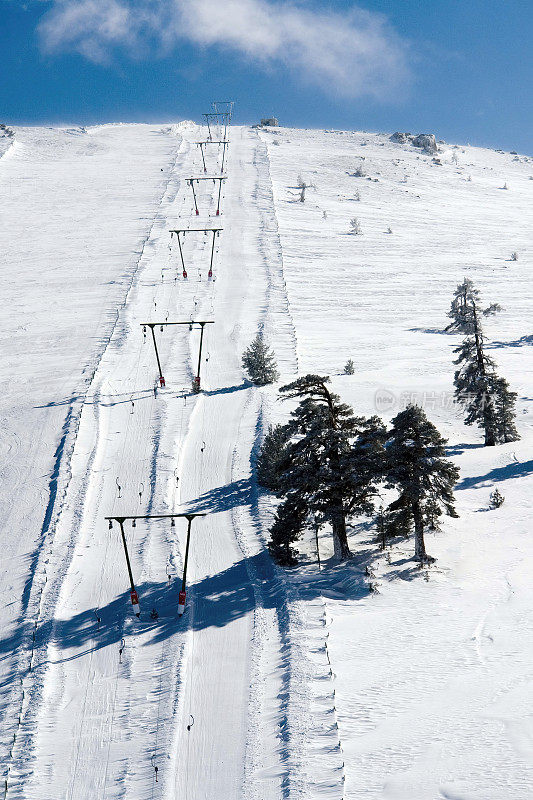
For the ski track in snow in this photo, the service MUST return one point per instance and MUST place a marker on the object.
(44, 602)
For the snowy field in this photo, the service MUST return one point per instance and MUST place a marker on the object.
(300, 684)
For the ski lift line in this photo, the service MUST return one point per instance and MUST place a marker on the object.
(126, 435)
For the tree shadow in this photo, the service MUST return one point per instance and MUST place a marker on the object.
(429, 330)
(224, 498)
(459, 449)
(515, 470)
(215, 601)
(524, 340)
(139, 394)
(226, 389)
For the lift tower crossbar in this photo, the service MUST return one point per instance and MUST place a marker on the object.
(133, 592)
(190, 323)
(213, 178)
(179, 231)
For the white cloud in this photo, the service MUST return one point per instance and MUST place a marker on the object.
(355, 53)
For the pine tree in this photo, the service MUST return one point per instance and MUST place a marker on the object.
(504, 406)
(464, 306)
(418, 470)
(349, 367)
(271, 456)
(333, 459)
(287, 528)
(260, 363)
(475, 383)
(488, 401)
(496, 500)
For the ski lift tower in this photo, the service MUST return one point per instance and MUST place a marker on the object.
(214, 178)
(182, 231)
(223, 142)
(202, 323)
(218, 118)
(122, 519)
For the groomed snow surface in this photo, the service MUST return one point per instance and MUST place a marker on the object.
(301, 684)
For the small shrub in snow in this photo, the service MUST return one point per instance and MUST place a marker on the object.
(505, 186)
(355, 227)
(496, 500)
(360, 172)
(349, 367)
(514, 256)
(260, 363)
(389, 230)
(357, 196)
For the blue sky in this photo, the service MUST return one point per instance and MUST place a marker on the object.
(462, 69)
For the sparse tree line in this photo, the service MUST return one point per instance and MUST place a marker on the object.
(328, 466)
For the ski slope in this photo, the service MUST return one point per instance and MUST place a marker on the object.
(300, 684)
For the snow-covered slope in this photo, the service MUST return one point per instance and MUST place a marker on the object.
(433, 676)
(301, 684)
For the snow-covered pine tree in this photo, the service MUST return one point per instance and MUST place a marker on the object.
(260, 363)
(475, 386)
(271, 456)
(487, 398)
(333, 459)
(504, 407)
(496, 500)
(349, 367)
(287, 528)
(355, 227)
(464, 306)
(419, 471)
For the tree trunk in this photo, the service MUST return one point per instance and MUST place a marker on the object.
(489, 434)
(420, 547)
(488, 411)
(340, 538)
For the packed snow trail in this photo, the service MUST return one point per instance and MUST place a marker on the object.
(110, 437)
(74, 227)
